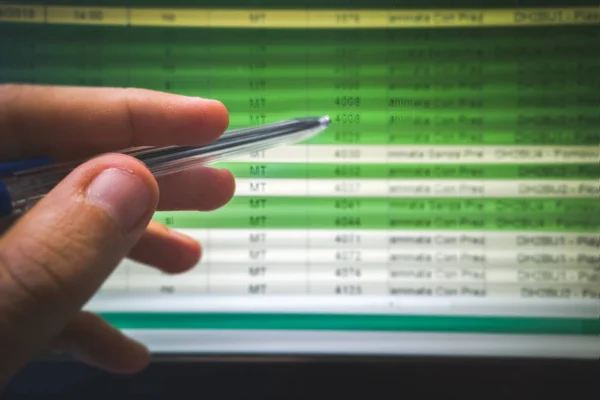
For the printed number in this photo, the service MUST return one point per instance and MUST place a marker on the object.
(347, 18)
(347, 204)
(347, 137)
(348, 289)
(257, 17)
(347, 101)
(347, 187)
(347, 118)
(347, 153)
(348, 256)
(347, 272)
(348, 221)
(92, 15)
(347, 171)
(347, 85)
(348, 238)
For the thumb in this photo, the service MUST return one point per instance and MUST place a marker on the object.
(58, 254)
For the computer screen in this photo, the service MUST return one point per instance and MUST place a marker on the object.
(450, 209)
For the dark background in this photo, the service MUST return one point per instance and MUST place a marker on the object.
(332, 379)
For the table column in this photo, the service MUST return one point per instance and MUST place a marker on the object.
(258, 261)
(345, 82)
(258, 243)
(174, 60)
(435, 101)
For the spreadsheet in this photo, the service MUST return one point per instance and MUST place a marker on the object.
(456, 190)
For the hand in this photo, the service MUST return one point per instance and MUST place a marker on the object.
(56, 256)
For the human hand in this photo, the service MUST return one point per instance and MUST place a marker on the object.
(55, 257)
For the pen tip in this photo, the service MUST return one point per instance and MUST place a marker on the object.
(325, 120)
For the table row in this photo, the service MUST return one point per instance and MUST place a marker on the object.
(293, 258)
(350, 170)
(301, 218)
(437, 188)
(299, 240)
(240, 285)
(299, 17)
(442, 154)
(321, 272)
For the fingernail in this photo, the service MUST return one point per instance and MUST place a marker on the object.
(122, 195)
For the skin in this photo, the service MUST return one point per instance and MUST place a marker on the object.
(54, 259)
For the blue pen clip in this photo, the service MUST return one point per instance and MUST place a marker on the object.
(9, 168)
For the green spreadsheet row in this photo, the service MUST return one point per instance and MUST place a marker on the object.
(453, 199)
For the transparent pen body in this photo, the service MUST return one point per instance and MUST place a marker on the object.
(28, 187)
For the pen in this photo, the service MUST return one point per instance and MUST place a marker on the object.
(24, 182)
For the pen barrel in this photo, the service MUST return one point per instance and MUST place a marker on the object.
(19, 193)
(230, 145)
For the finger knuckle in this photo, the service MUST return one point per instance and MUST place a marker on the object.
(129, 114)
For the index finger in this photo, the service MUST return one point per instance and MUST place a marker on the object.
(74, 122)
